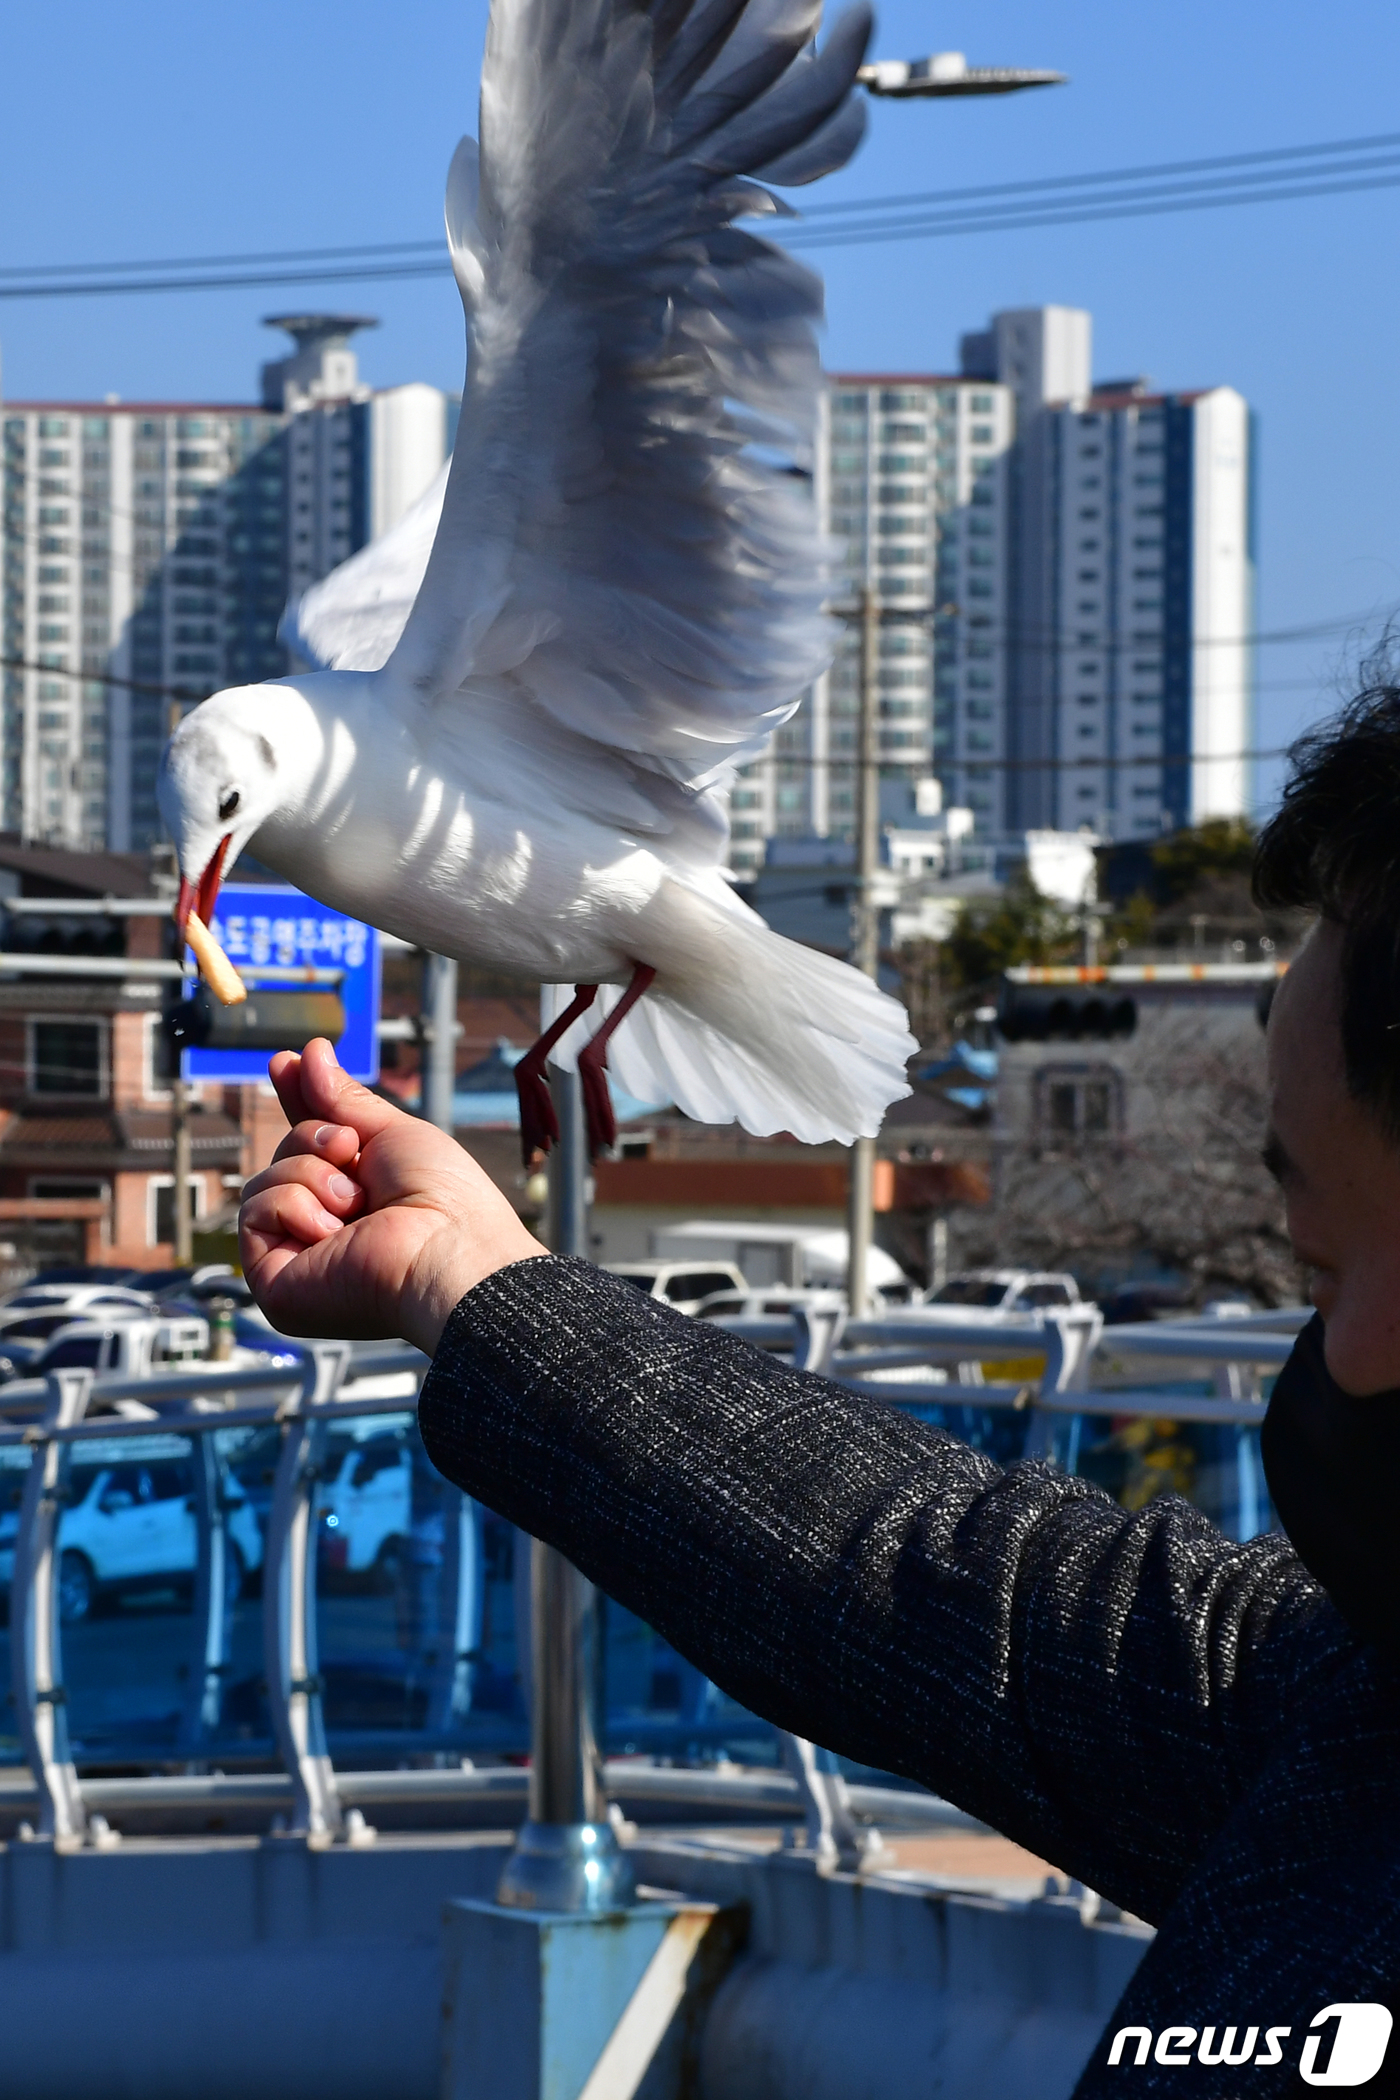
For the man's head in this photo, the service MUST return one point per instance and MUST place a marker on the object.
(1334, 1033)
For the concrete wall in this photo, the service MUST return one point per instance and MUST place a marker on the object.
(169, 1968)
(238, 1967)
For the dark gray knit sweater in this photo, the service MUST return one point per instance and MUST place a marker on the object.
(1183, 1723)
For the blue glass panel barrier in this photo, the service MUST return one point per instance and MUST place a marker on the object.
(1215, 1465)
(415, 1606)
(14, 1464)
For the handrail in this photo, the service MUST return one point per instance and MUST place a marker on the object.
(204, 1383)
(54, 1418)
(724, 1788)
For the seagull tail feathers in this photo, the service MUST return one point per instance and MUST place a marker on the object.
(744, 1026)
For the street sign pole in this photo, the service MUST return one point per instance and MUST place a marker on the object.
(440, 1039)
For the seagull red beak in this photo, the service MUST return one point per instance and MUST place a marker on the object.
(203, 899)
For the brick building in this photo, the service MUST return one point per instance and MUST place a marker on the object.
(86, 1138)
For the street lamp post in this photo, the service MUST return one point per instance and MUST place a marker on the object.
(945, 73)
(567, 1857)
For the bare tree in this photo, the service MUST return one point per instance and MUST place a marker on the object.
(1182, 1187)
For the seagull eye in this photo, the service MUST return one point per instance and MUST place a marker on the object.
(228, 805)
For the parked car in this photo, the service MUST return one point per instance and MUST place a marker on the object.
(1003, 1290)
(39, 1310)
(684, 1284)
(131, 1526)
(776, 1301)
(365, 1505)
(125, 1342)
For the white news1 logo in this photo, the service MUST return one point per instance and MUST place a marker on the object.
(1358, 2040)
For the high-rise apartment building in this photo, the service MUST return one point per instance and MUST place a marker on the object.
(157, 543)
(1130, 562)
(1065, 579)
(911, 484)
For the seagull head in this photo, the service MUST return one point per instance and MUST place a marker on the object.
(218, 783)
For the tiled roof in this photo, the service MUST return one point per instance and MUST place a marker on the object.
(59, 870)
(148, 1130)
(117, 1138)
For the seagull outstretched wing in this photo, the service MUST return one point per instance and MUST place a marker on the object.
(627, 541)
(352, 619)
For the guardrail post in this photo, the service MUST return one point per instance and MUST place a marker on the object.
(289, 1609)
(1072, 1334)
(36, 1658)
(816, 1337)
(213, 1603)
(832, 1835)
(471, 1597)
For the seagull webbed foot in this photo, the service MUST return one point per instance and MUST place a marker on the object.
(539, 1126)
(593, 1067)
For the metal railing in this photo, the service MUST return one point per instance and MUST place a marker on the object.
(53, 1419)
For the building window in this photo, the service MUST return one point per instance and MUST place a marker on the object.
(1078, 1101)
(160, 1207)
(66, 1058)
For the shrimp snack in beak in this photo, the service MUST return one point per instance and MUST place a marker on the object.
(214, 966)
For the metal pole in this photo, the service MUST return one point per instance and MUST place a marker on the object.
(865, 935)
(567, 1856)
(180, 1130)
(439, 1039)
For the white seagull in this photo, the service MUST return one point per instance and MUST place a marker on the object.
(519, 751)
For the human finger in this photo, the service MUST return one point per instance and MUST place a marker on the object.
(284, 1070)
(335, 1191)
(328, 1091)
(288, 1211)
(336, 1142)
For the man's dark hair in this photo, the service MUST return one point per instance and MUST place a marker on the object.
(1334, 848)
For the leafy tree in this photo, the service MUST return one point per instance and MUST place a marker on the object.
(1187, 858)
(1018, 926)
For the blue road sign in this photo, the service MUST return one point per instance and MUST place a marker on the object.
(268, 924)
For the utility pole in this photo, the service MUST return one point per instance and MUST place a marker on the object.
(438, 1032)
(180, 1131)
(865, 932)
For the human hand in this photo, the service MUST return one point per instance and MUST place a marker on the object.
(369, 1222)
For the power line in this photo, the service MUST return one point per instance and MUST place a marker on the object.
(1277, 175)
(352, 251)
(970, 767)
(1152, 171)
(125, 685)
(1049, 641)
(807, 759)
(1100, 209)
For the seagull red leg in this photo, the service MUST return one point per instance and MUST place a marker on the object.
(593, 1067)
(539, 1126)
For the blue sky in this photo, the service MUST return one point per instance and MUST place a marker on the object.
(158, 129)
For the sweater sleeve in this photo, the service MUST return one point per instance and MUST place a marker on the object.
(1104, 1687)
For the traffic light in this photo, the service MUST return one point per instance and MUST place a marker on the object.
(1054, 1013)
(264, 1021)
